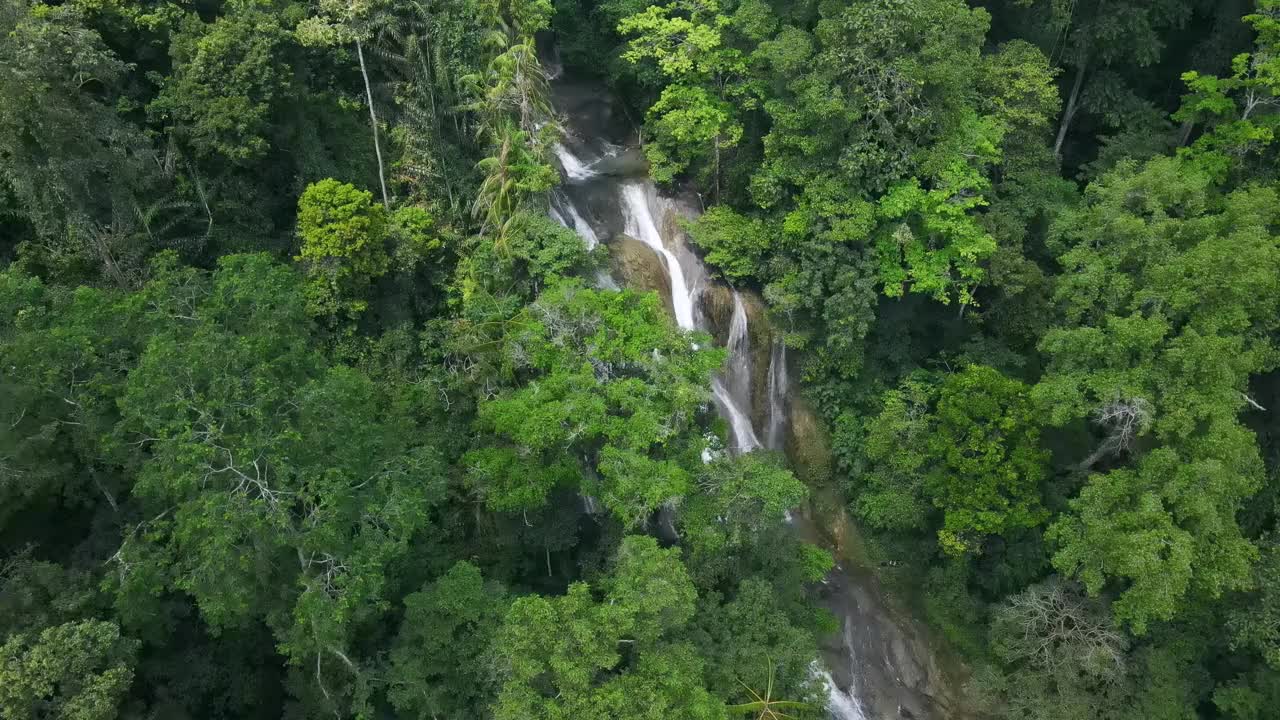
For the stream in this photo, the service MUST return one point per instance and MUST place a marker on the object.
(880, 664)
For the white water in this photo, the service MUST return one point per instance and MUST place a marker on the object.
(738, 370)
(743, 434)
(776, 430)
(735, 393)
(640, 225)
(841, 705)
(575, 169)
(562, 204)
(582, 227)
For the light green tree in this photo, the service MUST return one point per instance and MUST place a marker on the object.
(344, 246)
(1240, 111)
(75, 671)
(609, 392)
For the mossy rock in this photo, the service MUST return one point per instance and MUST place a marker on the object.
(717, 305)
(638, 267)
(808, 445)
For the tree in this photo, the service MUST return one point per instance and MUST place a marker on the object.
(1165, 323)
(1242, 110)
(351, 21)
(891, 491)
(514, 172)
(227, 79)
(694, 119)
(344, 246)
(1253, 623)
(736, 244)
(69, 352)
(256, 463)
(1061, 655)
(754, 644)
(608, 394)
(78, 671)
(931, 244)
(617, 656)
(440, 662)
(73, 163)
(968, 445)
(517, 122)
(1096, 36)
(988, 438)
(737, 499)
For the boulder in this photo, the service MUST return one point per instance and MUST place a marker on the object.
(717, 305)
(637, 266)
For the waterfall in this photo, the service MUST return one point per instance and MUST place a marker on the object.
(640, 225)
(841, 705)
(565, 211)
(776, 428)
(734, 394)
(743, 434)
(582, 228)
(738, 370)
(602, 183)
(731, 398)
(575, 169)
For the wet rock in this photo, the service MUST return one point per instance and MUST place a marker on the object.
(636, 266)
(717, 306)
(881, 655)
(761, 334)
(626, 162)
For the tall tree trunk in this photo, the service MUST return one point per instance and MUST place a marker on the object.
(373, 120)
(1069, 114)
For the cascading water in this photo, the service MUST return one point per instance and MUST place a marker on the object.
(575, 170)
(604, 196)
(566, 212)
(776, 422)
(640, 225)
(842, 705)
(744, 434)
(734, 392)
(738, 365)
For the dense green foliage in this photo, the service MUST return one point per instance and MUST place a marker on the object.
(307, 411)
(1074, 469)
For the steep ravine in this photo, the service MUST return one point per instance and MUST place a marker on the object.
(880, 665)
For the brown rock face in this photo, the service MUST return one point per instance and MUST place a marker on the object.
(717, 306)
(637, 267)
(762, 334)
(808, 446)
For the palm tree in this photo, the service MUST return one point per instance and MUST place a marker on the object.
(765, 707)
